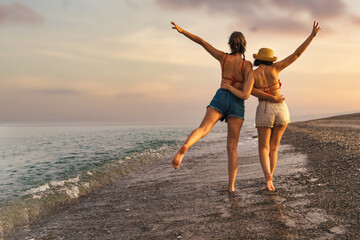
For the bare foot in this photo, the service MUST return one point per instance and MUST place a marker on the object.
(230, 189)
(269, 183)
(176, 161)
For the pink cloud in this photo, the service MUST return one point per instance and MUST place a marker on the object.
(18, 13)
(224, 6)
(261, 14)
(355, 20)
(318, 9)
(279, 25)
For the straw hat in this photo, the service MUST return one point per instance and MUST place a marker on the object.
(265, 54)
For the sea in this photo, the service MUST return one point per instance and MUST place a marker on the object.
(46, 165)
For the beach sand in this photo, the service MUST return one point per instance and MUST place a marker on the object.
(317, 197)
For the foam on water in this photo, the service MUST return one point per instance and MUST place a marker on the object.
(51, 196)
(49, 167)
(32, 157)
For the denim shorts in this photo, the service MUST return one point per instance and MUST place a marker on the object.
(227, 104)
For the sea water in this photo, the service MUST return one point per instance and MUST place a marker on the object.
(32, 156)
(42, 160)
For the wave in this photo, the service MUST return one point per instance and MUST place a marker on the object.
(52, 196)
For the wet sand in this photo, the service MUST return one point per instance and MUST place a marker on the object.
(317, 181)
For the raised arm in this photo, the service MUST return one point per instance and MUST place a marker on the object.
(292, 58)
(219, 55)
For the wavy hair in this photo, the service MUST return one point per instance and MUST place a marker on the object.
(237, 43)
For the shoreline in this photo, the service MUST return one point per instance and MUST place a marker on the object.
(154, 202)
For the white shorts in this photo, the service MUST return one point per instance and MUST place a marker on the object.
(270, 114)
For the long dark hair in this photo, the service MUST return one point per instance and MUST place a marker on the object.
(237, 43)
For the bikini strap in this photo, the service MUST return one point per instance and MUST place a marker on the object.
(278, 82)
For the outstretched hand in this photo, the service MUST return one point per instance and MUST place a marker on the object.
(315, 29)
(179, 29)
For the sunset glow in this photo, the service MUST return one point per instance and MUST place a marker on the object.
(121, 61)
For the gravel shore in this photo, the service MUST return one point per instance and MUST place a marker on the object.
(332, 146)
(317, 197)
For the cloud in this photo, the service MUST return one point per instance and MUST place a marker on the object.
(318, 9)
(273, 15)
(131, 96)
(63, 54)
(54, 91)
(355, 20)
(224, 6)
(18, 13)
(278, 25)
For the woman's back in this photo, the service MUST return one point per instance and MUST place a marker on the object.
(235, 69)
(266, 79)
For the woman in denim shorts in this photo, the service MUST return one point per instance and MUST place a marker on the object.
(225, 105)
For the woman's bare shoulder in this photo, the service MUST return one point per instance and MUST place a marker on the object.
(248, 64)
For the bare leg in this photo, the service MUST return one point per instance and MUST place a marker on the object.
(276, 135)
(264, 155)
(211, 117)
(234, 127)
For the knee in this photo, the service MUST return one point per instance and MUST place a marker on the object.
(274, 148)
(264, 148)
(231, 147)
(204, 130)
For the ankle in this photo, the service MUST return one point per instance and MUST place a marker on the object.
(268, 177)
(231, 187)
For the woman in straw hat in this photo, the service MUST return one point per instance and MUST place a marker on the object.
(224, 104)
(271, 118)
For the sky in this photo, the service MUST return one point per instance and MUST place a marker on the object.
(120, 60)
